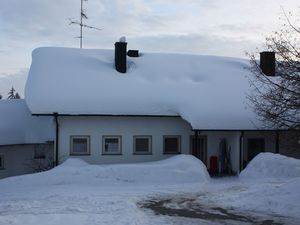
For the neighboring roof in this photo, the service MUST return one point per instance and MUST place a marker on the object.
(17, 126)
(207, 91)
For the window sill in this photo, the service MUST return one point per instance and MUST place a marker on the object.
(111, 153)
(80, 154)
(142, 153)
(172, 153)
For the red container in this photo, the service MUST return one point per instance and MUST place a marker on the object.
(214, 165)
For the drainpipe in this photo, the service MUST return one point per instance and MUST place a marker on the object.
(56, 137)
(195, 152)
(241, 150)
(277, 142)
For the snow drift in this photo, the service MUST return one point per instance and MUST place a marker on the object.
(180, 169)
(272, 166)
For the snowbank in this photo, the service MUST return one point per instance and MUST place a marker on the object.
(155, 84)
(18, 126)
(272, 166)
(180, 169)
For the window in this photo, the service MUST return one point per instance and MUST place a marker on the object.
(1, 162)
(142, 144)
(39, 152)
(111, 145)
(80, 145)
(172, 144)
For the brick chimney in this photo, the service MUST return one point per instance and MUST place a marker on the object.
(120, 55)
(267, 63)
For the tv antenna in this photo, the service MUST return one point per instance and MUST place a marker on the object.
(83, 16)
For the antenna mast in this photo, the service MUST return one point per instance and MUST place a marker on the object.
(83, 15)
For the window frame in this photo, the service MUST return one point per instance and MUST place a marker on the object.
(2, 166)
(87, 137)
(179, 144)
(119, 137)
(149, 137)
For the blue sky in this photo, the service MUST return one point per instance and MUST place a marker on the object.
(218, 27)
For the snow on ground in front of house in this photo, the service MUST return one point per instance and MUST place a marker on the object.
(269, 166)
(78, 193)
(270, 183)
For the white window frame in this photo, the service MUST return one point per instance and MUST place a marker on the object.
(149, 152)
(179, 144)
(2, 167)
(119, 152)
(87, 137)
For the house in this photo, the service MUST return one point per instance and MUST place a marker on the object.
(26, 141)
(114, 106)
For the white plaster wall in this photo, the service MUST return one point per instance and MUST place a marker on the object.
(127, 127)
(17, 159)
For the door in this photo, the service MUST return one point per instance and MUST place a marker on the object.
(199, 148)
(255, 146)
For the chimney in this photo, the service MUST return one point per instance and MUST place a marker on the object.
(133, 53)
(120, 55)
(267, 63)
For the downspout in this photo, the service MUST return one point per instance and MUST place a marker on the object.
(241, 149)
(195, 147)
(56, 137)
(277, 142)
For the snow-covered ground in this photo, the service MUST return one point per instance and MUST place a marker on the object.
(77, 193)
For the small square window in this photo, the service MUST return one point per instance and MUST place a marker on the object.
(39, 152)
(111, 145)
(172, 144)
(142, 144)
(80, 145)
(1, 162)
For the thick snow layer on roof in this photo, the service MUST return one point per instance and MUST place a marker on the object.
(207, 91)
(18, 126)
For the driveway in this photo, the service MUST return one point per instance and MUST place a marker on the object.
(188, 210)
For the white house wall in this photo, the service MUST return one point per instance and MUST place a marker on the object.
(127, 127)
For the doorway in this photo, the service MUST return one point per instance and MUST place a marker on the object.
(254, 147)
(198, 148)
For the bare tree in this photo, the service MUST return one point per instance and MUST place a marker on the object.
(83, 16)
(276, 99)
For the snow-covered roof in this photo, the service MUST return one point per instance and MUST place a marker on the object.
(207, 91)
(18, 126)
